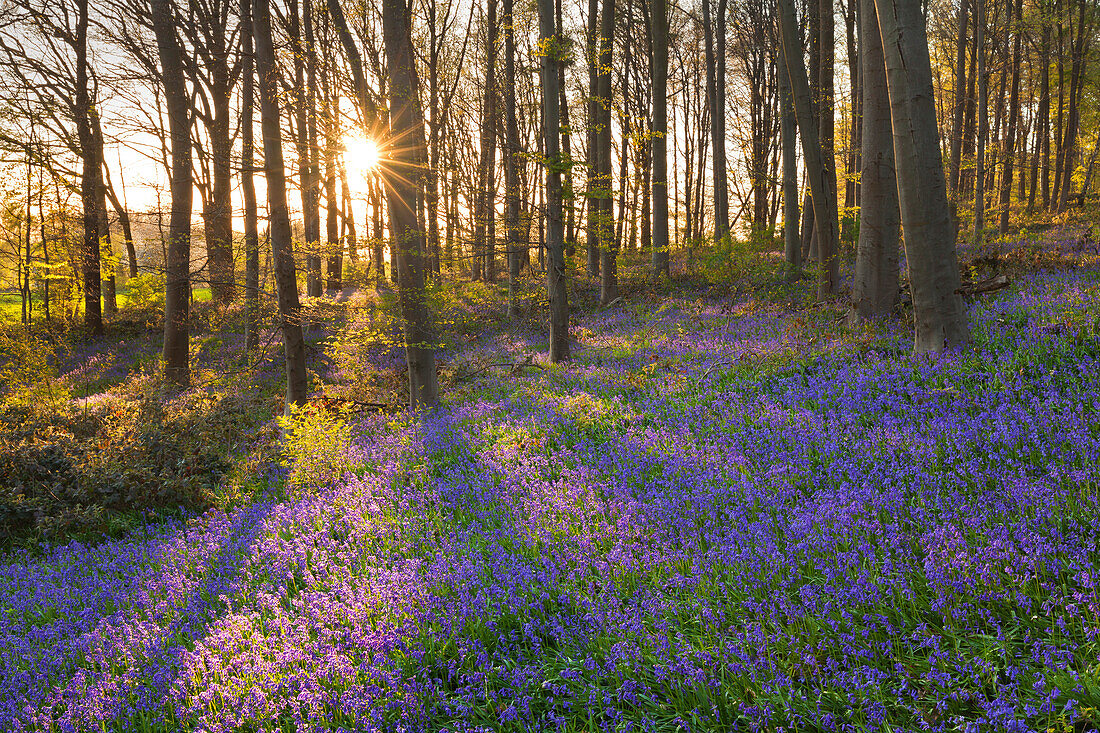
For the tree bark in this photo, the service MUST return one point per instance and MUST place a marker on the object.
(93, 313)
(595, 46)
(983, 122)
(659, 144)
(609, 248)
(177, 295)
(281, 247)
(959, 107)
(511, 152)
(875, 285)
(922, 192)
(248, 184)
(1013, 118)
(405, 184)
(792, 242)
(549, 63)
(823, 197)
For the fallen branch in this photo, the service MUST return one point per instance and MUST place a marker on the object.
(989, 285)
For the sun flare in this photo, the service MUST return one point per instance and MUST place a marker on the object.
(361, 155)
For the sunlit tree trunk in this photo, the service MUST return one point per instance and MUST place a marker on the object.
(405, 182)
(953, 180)
(1013, 116)
(177, 295)
(922, 190)
(1073, 117)
(983, 122)
(248, 184)
(609, 279)
(792, 242)
(511, 152)
(549, 63)
(593, 51)
(279, 216)
(659, 144)
(93, 314)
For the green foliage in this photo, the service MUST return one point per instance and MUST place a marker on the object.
(82, 469)
(146, 292)
(27, 369)
(316, 445)
(734, 261)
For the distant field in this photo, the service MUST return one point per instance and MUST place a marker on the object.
(11, 303)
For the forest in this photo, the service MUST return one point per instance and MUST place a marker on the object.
(563, 365)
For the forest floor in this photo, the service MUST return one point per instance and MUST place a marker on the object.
(733, 510)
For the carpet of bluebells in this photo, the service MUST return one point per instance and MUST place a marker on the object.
(723, 516)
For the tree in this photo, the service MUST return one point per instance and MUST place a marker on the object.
(822, 195)
(511, 153)
(405, 185)
(248, 185)
(282, 253)
(178, 278)
(659, 143)
(716, 94)
(605, 219)
(549, 60)
(875, 285)
(922, 190)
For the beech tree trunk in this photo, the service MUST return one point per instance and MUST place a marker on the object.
(93, 313)
(549, 64)
(823, 197)
(511, 151)
(792, 242)
(405, 181)
(875, 285)
(1013, 118)
(178, 284)
(959, 107)
(279, 216)
(248, 184)
(659, 144)
(609, 247)
(922, 190)
(593, 194)
(983, 122)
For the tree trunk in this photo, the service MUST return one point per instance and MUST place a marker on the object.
(826, 130)
(107, 268)
(1077, 77)
(953, 181)
(93, 314)
(335, 265)
(595, 46)
(983, 123)
(875, 285)
(549, 63)
(609, 248)
(922, 192)
(405, 184)
(823, 197)
(486, 202)
(248, 184)
(177, 294)
(715, 61)
(659, 144)
(219, 233)
(511, 152)
(279, 216)
(1013, 118)
(792, 242)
